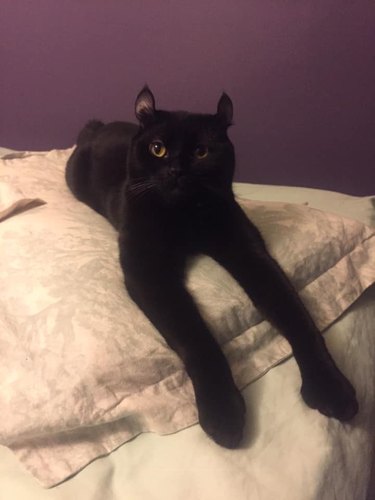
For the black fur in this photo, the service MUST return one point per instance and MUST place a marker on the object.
(171, 207)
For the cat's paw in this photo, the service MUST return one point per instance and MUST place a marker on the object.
(222, 416)
(331, 394)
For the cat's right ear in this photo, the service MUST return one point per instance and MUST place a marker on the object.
(145, 106)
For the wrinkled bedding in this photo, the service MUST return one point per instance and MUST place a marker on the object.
(290, 451)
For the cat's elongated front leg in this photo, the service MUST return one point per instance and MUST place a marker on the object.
(243, 253)
(156, 286)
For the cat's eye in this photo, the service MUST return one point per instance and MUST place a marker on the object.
(157, 149)
(201, 152)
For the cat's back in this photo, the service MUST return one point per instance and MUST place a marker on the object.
(112, 137)
(97, 167)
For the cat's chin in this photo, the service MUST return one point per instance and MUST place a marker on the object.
(176, 190)
(175, 195)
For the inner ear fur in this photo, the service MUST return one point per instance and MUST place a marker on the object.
(145, 105)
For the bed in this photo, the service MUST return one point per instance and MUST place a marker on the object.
(68, 429)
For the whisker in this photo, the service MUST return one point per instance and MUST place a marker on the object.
(140, 188)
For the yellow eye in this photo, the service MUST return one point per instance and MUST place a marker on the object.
(201, 152)
(157, 149)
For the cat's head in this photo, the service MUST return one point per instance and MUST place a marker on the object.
(176, 154)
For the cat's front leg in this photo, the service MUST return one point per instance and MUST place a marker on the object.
(156, 286)
(327, 390)
(241, 250)
(221, 408)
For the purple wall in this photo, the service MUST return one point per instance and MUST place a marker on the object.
(301, 75)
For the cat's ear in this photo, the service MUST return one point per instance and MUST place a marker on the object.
(225, 109)
(145, 106)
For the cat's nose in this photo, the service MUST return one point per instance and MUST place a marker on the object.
(174, 171)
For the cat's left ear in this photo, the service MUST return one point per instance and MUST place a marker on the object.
(225, 109)
(145, 105)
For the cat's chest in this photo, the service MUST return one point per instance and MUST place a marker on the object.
(186, 228)
(194, 216)
(192, 224)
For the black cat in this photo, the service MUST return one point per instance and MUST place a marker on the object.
(166, 186)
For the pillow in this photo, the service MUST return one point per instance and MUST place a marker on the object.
(361, 208)
(83, 370)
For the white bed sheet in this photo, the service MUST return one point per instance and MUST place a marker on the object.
(290, 452)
